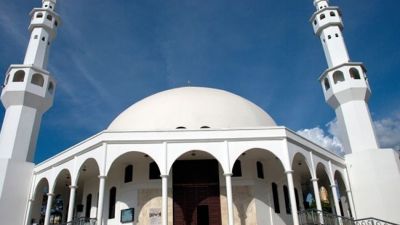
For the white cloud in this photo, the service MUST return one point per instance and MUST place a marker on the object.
(387, 131)
(326, 140)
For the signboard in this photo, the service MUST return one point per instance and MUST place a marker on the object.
(127, 215)
(155, 216)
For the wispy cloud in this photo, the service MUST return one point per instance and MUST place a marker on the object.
(11, 24)
(387, 131)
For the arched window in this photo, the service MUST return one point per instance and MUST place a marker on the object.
(315, 22)
(204, 127)
(111, 203)
(237, 169)
(154, 172)
(338, 76)
(329, 36)
(51, 87)
(39, 15)
(276, 197)
(260, 170)
(19, 76)
(128, 174)
(326, 84)
(354, 73)
(296, 194)
(181, 128)
(49, 17)
(55, 23)
(37, 79)
(322, 16)
(332, 13)
(88, 205)
(287, 200)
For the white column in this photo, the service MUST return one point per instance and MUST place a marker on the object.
(164, 212)
(316, 193)
(336, 200)
(71, 205)
(48, 208)
(295, 216)
(29, 212)
(351, 203)
(228, 180)
(102, 185)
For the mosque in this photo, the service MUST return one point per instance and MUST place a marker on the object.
(196, 155)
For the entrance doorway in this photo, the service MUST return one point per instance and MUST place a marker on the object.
(196, 193)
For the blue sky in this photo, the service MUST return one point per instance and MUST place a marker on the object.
(111, 53)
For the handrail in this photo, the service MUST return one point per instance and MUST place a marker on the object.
(82, 221)
(318, 217)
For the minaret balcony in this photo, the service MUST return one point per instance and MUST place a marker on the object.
(344, 83)
(329, 16)
(44, 18)
(28, 85)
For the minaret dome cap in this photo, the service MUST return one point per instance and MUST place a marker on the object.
(317, 1)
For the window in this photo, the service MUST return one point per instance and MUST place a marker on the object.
(49, 17)
(276, 197)
(154, 172)
(336, 35)
(332, 13)
(35, 37)
(237, 169)
(37, 79)
(354, 73)
(338, 76)
(43, 39)
(88, 205)
(326, 84)
(56, 23)
(128, 174)
(111, 203)
(204, 127)
(181, 128)
(296, 194)
(322, 16)
(19, 76)
(287, 201)
(260, 170)
(329, 36)
(315, 22)
(51, 87)
(39, 15)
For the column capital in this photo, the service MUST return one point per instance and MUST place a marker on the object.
(31, 200)
(73, 187)
(164, 175)
(102, 177)
(289, 171)
(314, 179)
(333, 185)
(228, 174)
(348, 191)
(50, 194)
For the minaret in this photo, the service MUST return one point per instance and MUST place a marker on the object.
(29, 88)
(344, 83)
(28, 92)
(373, 173)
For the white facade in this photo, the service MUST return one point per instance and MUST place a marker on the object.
(190, 155)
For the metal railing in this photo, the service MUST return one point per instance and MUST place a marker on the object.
(317, 217)
(82, 221)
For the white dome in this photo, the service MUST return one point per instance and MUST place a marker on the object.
(191, 108)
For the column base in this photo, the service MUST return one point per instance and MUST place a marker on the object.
(15, 184)
(375, 183)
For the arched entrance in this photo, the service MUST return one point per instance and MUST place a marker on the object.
(196, 189)
(40, 202)
(59, 207)
(303, 176)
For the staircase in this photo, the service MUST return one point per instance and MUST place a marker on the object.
(316, 217)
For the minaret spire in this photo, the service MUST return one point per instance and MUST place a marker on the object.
(27, 93)
(344, 83)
